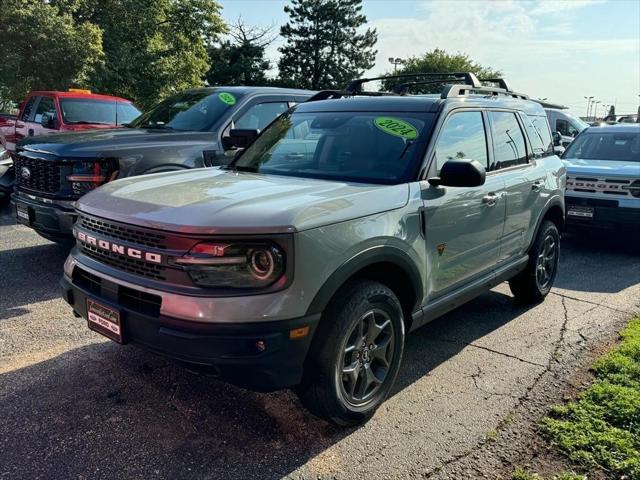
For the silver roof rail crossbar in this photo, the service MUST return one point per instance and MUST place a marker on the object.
(468, 77)
(451, 91)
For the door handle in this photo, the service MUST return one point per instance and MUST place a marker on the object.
(30, 132)
(294, 156)
(537, 186)
(490, 199)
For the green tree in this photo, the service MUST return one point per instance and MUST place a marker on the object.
(436, 61)
(325, 45)
(43, 47)
(240, 60)
(612, 111)
(152, 47)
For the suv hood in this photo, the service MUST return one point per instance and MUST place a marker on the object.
(93, 143)
(601, 168)
(216, 201)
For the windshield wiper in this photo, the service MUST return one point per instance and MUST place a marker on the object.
(158, 126)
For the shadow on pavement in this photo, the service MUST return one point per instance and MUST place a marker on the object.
(120, 412)
(585, 256)
(29, 275)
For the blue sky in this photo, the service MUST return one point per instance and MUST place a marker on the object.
(559, 49)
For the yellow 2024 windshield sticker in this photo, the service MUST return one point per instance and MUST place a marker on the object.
(396, 127)
(226, 97)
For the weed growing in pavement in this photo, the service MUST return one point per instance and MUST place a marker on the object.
(602, 427)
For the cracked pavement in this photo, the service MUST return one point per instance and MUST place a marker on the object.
(75, 405)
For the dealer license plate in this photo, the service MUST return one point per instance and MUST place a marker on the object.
(104, 320)
(580, 212)
(22, 214)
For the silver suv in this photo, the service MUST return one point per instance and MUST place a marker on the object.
(351, 220)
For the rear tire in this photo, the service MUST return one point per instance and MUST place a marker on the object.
(534, 283)
(355, 354)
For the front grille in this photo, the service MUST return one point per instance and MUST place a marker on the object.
(131, 265)
(141, 302)
(621, 187)
(121, 232)
(36, 174)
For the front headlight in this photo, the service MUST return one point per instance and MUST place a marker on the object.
(5, 158)
(234, 265)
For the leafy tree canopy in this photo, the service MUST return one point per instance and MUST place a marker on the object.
(325, 46)
(240, 59)
(436, 61)
(44, 47)
(152, 47)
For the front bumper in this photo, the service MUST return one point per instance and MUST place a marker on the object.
(50, 218)
(605, 215)
(261, 356)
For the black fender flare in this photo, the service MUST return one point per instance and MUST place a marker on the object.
(375, 254)
(554, 202)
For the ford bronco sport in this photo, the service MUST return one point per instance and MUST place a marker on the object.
(351, 220)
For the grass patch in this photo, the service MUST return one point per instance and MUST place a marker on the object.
(602, 427)
(522, 474)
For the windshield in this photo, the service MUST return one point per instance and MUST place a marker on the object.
(576, 122)
(619, 146)
(189, 111)
(350, 146)
(86, 110)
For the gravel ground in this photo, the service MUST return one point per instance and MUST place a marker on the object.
(75, 405)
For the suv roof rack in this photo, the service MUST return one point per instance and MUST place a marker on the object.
(470, 78)
(468, 83)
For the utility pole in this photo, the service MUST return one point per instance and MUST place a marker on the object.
(595, 110)
(588, 105)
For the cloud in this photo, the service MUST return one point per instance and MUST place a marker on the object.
(545, 7)
(525, 46)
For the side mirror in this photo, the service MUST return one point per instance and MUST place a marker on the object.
(558, 150)
(239, 138)
(557, 139)
(49, 120)
(460, 173)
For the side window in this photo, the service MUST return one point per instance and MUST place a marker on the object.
(535, 136)
(541, 124)
(565, 128)
(28, 108)
(260, 115)
(508, 141)
(463, 136)
(45, 106)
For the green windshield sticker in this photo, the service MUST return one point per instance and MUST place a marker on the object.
(226, 97)
(396, 127)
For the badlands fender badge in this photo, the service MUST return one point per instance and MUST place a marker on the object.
(441, 248)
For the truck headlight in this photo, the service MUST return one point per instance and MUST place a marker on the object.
(234, 265)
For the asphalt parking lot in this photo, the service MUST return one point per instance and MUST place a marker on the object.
(75, 405)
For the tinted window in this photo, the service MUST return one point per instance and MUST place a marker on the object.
(538, 132)
(28, 108)
(606, 146)
(565, 128)
(197, 110)
(260, 115)
(463, 136)
(350, 146)
(45, 106)
(87, 111)
(508, 142)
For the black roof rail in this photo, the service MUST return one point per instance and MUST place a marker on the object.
(403, 88)
(502, 83)
(332, 94)
(462, 90)
(468, 77)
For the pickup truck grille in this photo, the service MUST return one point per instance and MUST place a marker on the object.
(614, 187)
(37, 175)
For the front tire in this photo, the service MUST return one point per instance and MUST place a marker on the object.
(534, 283)
(355, 355)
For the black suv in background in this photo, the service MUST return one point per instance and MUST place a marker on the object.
(188, 130)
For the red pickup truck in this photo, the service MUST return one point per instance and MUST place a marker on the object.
(48, 112)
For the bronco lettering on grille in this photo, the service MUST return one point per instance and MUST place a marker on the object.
(118, 249)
